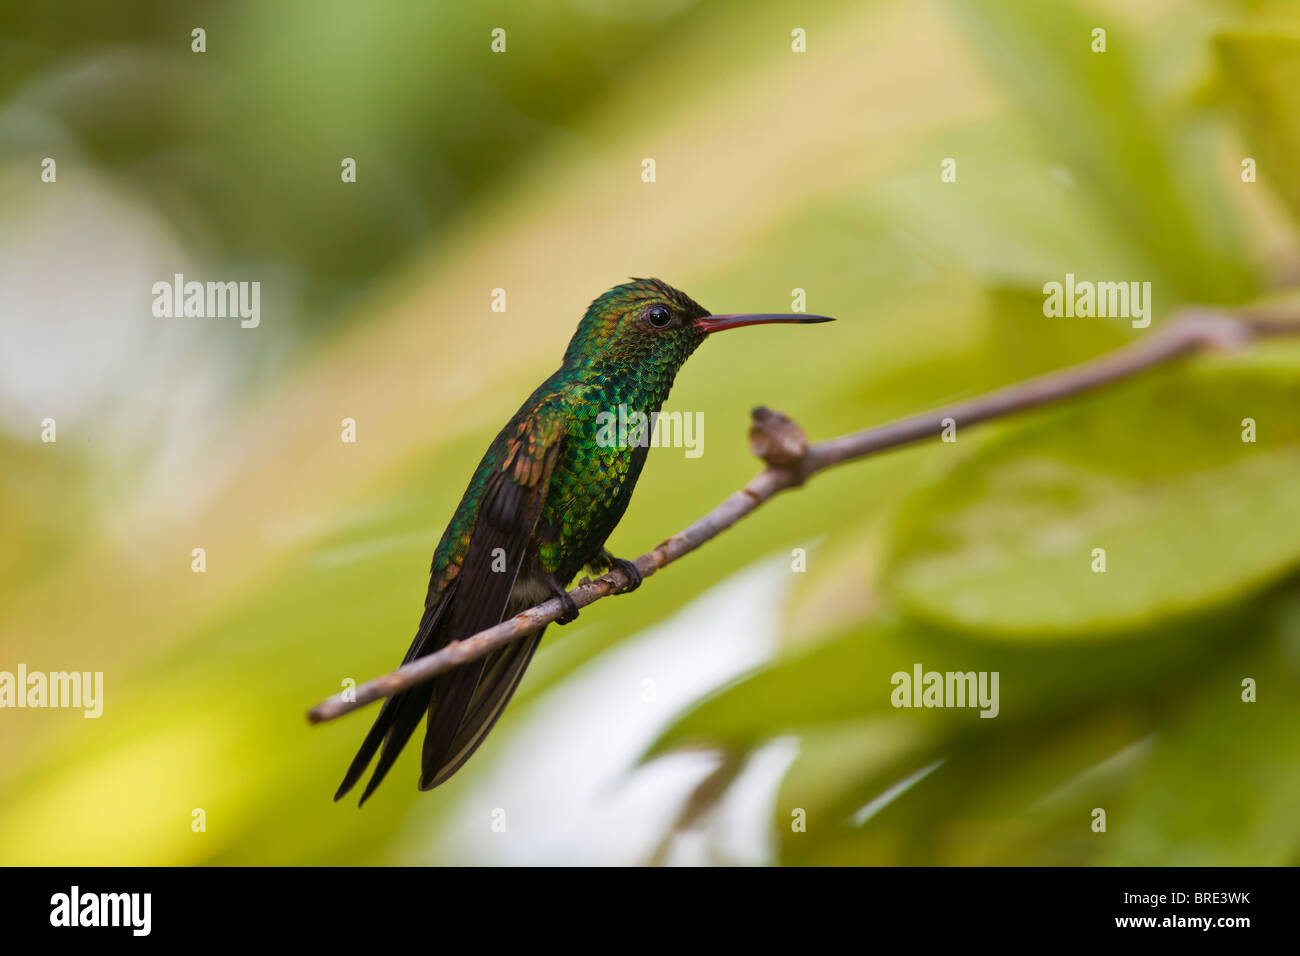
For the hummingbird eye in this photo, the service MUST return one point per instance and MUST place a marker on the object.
(658, 316)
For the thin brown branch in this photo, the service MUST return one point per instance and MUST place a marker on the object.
(791, 461)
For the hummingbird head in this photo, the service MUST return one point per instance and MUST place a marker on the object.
(648, 326)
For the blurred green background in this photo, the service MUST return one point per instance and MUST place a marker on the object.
(693, 721)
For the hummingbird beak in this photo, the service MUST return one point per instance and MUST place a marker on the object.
(717, 323)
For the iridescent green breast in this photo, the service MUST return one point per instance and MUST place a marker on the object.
(593, 478)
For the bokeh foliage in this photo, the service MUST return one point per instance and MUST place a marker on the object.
(1121, 690)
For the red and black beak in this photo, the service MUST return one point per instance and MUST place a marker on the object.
(717, 323)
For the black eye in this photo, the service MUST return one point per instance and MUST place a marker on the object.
(658, 316)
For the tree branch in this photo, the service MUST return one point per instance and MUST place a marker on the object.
(791, 461)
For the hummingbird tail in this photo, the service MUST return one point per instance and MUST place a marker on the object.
(466, 707)
(399, 715)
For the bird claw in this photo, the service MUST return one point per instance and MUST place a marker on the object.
(631, 570)
(570, 612)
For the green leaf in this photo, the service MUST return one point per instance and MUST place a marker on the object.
(988, 797)
(1220, 786)
(1138, 160)
(1189, 515)
(1262, 71)
(848, 678)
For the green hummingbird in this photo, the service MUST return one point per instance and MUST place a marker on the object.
(543, 500)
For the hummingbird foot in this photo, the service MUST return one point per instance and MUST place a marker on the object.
(604, 561)
(570, 613)
(631, 570)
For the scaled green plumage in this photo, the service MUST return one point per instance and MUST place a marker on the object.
(541, 503)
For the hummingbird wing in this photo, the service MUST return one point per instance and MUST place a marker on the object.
(474, 598)
(468, 700)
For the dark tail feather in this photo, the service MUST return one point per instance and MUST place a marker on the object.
(411, 706)
(467, 707)
(399, 715)
(378, 730)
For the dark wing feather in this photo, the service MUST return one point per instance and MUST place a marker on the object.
(503, 670)
(467, 700)
(474, 599)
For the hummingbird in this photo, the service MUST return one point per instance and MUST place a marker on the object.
(538, 509)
